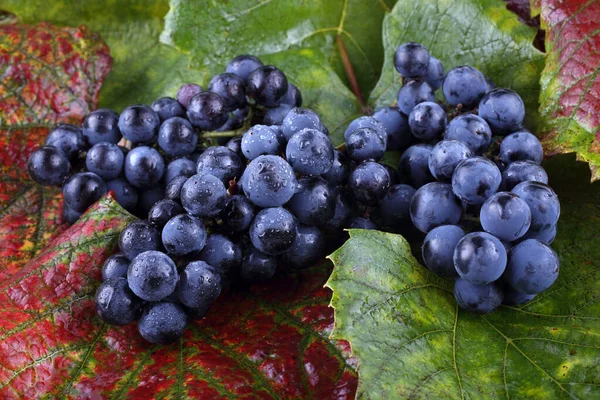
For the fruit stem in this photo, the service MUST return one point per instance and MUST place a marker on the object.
(350, 72)
(215, 134)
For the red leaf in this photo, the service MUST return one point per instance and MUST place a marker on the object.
(269, 342)
(49, 75)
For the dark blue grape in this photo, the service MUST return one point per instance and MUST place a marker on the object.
(203, 195)
(475, 180)
(513, 297)
(105, 160)
(413, 93)
(434, 204)
(207, 111)
(82, 190)
(144, 167)
(177, 137)
(464, 85)
(472, 131)
(115, 266)
(235, 120)
(162, 323)
(48, 166)
(411, 60)
(199, 286)
(152, 275)
(149, 197)
(544, 235)
(125, 193)
(369, 182)
(438, 249)
(480, 299)
(167, 108)
(310, 152)
(521, 146)
(394, 208)
(231, 88)
(259, 140)
(366, 144)
(275, 116)
(173, 188)
(138, 237)
(444, 158)
(365, 122)
(115, 302)
(505, 216)
(532, 267)
(342, 212)
(340, 169)
(269, 181)
(68, 138)
(396, 127)
(101, 125)
(238, 213)
(362, 223)
(414, 165)
(71, 216)
(480, 258)
(298, 119)
(427, 121)
(543, 203)
(243, 65)
(139, 123)
(162, 212)
(314, 202)
(221, 253)
(293, 96)
(522, 171)
(307, 250)
(180, 167)
(220, 162)
(273, 230)
(435, 73)
(267, 86)
(257, 266)
(503, 110)
(235, 145)
(186, 92)
(184, 234)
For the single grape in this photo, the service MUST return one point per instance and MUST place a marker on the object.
(506, 216)
(521, 146)
(414, 165)
(513, 297)
(184, 234)
(444, 158)
(101, 125)
(139, 123)
(235, 145)
(298, 119)
(116, 304)
(342, 212)
(162, 323)
(269, 181)
(396, 127)
(275, 116)
(221, 253)
(68, 138)
(152, 275)
(369, 182)
(259, 140)
(173, 188)
(243, 66)
(542, 201)
(273, 230)
(532, 267)
(220, 162)
(207, 111)
(82, 190)
(435, 73)
(480, 299)
(545, 235)
(69, 215)
(105, 160)
(340, 169)
(427, 121)
(115, 266)
(203, 195)
(138, 237)
(475, 180)
(167, 108)
(48, 166)
(413, 93)
(293, 96)
(411, 60)
(199, 286)
(257, 266)
(480, 258)
(149, 197)
(144, 167)
(176, 137)
(125, 193)
(438, 249)
(238, 213)
(464, 85)
(307, 250)
(310, 152)
(180, 167)
(362, 223)
(365, 122)
(314, 202)
(162, 212)
(267, 86)
(522, 171)
(186, 92)
(231, 88)
(394, 208)
(366, 144)
(472, 131)
(503, 110)
(433, 205)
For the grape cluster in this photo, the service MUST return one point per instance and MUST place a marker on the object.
(469, 177)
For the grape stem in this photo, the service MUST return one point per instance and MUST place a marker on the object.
(350, 72)
(215, 134)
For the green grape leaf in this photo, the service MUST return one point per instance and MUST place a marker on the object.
(412, 341)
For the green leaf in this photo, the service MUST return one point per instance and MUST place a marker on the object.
(481, 33)
(143, 69)
(215, 32)
(569, 101)
(411, 340)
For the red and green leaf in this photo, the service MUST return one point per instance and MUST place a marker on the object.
(570, 94)
(49, 75)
